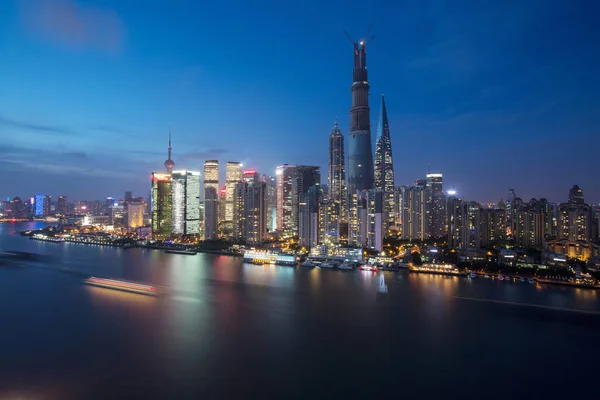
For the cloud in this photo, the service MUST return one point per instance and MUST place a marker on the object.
(34, 126)
(74, 25)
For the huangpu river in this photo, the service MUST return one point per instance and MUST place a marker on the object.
(226, 329)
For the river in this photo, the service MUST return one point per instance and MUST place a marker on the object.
(226, 329)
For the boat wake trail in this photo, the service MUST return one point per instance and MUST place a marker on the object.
(512, 303)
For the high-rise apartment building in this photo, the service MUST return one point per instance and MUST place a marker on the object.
(186, 202)
(211, 200)
(493, 226)
(416, 211)
(336, 178)
(384, 167)
(309, 232)
(437, 221)
(285, 222)
(128, 196)
(162, 205)
(360, 153)
(233, 175)
(576, 195)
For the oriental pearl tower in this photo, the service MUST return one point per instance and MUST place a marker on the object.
(169, 164)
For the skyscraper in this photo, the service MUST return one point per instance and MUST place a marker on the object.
(360, 159)
(338, 194)
(42, 205)
(128, 195)
(438, 201)
(169, 164)
(384, 167)
(62, 206)
(186, 202)
(284, 174)
(304, 176)
(576, 195)
(162, 205)
(233, 175)
(255, 208)
(271, 185)
(211, 199)
(135, 213)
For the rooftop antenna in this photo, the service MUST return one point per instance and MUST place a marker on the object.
(364, 41)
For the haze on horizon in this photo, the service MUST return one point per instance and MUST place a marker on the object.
(495, 95)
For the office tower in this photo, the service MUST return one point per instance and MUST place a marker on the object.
(108, 203)
(211, 199)
(186, 202)
(384, 167)
(285, 174)
(576, 195)
(237, 221)
(62, 206)
(117, 214)
(360, 154)
(42, 205)
(304, 176)
(271, 185)
(135, 213)
(233, 175)
(438, 202)
(169, 164)
(493, 226)
(162, 205)
(15, 208)
(336, 178)
(416, 211)
(128, 196)
(254, 208)
(222, 196)
(309, 233)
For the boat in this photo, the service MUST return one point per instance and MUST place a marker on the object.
(124, 286)
(500, 278)
(347, 265)
(328, 264)
(185, 252)
(472, 275)
(486, 276)
(522, 279)
(309, 263)
(367, 267)
(529, 280)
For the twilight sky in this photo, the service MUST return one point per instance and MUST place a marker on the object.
(493, 94)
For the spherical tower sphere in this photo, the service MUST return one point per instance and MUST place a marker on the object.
(169, 165)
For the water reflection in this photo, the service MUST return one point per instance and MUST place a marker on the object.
(268, 275)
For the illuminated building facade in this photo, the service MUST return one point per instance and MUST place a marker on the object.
(162, 205)
(384, 167)
(336, 178)
(271, 185)
(186, 202)
(233, 175)
(42, 205)
(135, 213)
(370, 219)
(211, 199)
(455, 217)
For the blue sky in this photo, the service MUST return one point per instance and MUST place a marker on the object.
(495, 95)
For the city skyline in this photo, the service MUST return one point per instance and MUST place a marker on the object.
(527, 123)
